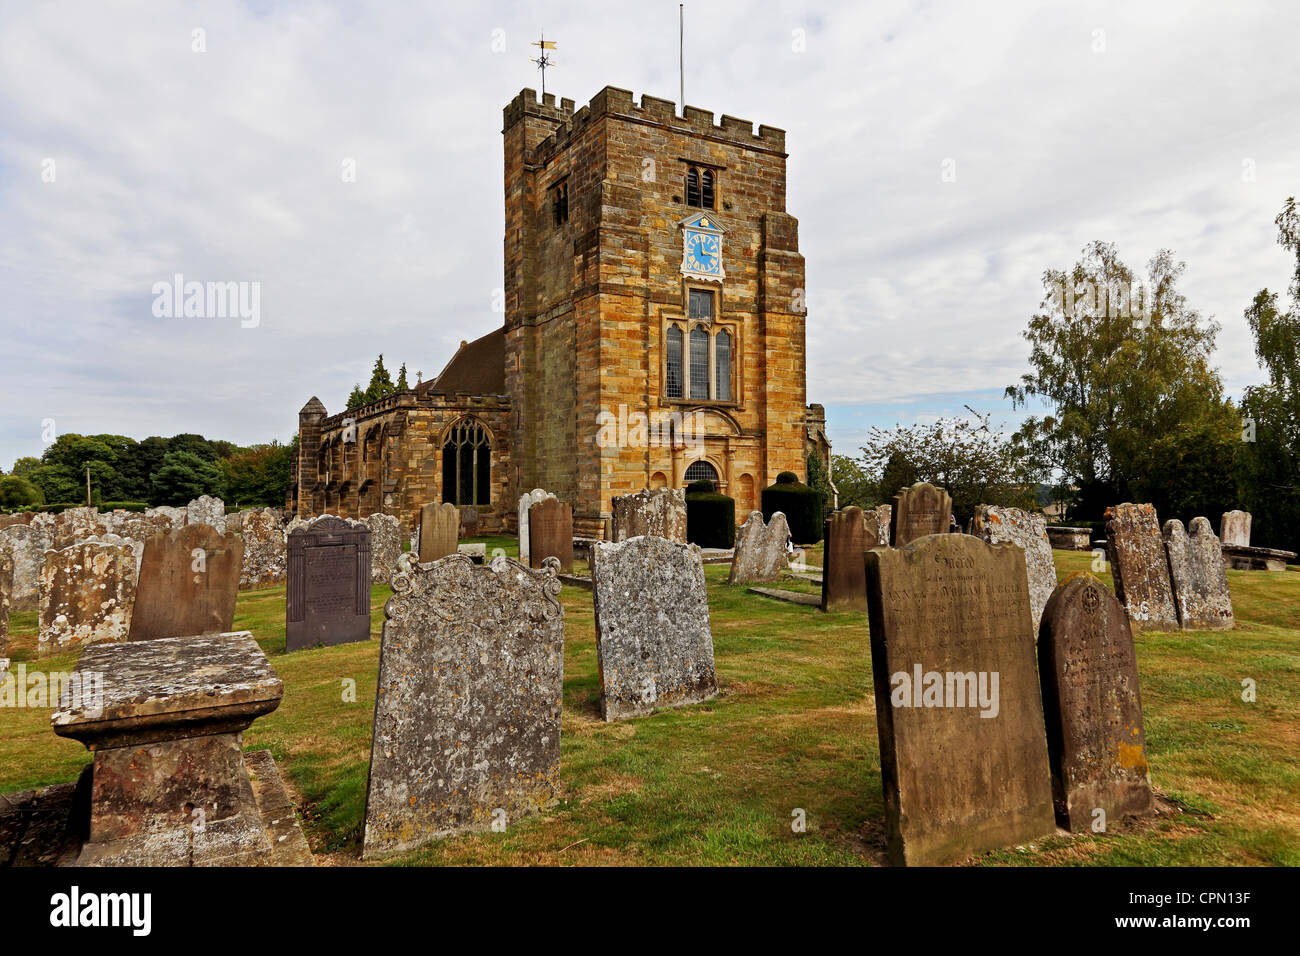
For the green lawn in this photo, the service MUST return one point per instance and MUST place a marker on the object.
(793, 729)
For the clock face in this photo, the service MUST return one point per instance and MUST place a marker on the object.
(703, 253)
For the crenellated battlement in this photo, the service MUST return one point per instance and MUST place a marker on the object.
(617, 102)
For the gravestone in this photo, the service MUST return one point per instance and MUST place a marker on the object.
(918, 511)
(870, 529)
(6, 596)
(844, 576)
(526, 502)
(963, 751)
(26, 545)
(1139, 566)
(550, 524)
(177, 517)
(21, 518)
(328, 600)
(467, 713)
(995, 524)
(1069, 539)
(385, 546)
(654, 645)
(469, 521)
(87, 592)
(235, 521)
(166, 728)
(188, 583)
(439, 530)
(762, 549)
(1199, 576)
(139, 528)
(884, 518)
(661, 512)
(207, 510)
(1092, 706)
(77, 524)
(1234, 529)
(266, 555)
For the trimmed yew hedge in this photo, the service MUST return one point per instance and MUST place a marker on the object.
(801, 505)
(710, 517)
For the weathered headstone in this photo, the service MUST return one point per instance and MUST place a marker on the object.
(844, 576)
(1140, 566)
(467, 714)
(918, 511)
(6, 596)
(884, 520)
(963, 751)
(654, 645)
(165, 720)
(550, 523)
(178, 517)
(661, 512)
(235, 521)
(1234, 529)
(77, 524)
(265, 552)
(87, 592)
(328, 599)
(207, 510)
(189, 580)
(526, 502)
(469, 521)
(996, 524)
(1092, 706)
(762, 549)
(1199, 576)
(385, 546)
(439, 530)
(26, 545)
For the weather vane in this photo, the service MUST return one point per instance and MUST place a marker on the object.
(542, 60)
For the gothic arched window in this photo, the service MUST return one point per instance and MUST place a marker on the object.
(674, 370)
(467, 464)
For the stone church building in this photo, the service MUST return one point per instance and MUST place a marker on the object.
(654, 332)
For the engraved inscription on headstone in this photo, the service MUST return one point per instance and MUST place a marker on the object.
(918, 511)
(329, 584)
(189, 579)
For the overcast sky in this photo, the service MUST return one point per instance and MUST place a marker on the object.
(1147, 124)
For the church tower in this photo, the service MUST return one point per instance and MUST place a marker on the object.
(654, 294)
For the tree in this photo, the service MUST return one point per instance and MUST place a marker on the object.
(61, 475)
(401, 379)
(357, 398)
(1268, 460)
(818, 479)
(258, 475)
(854, 485)
(184, 476)
(381, 383)
(974, 464)
(1124, 369)
(16, 491)
(25, 466)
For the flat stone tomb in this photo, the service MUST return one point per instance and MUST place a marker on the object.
(165, 721)
(762, 549)
(844, 580)
(550, 524)
(1139, 566)
(189, 581)
(467, 714)
(963, 749)
(918, 511)
(654, 646)
(328, 599)
(439, 530)
(1092, 707)
(1199, 576)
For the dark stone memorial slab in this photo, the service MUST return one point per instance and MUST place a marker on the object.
(1092, 706)
(963, 750)
(918, 511)
(467, 714)
(550, 528)
(844, 576)
(189, 580)
(329, 584)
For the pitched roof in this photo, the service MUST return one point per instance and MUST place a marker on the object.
(477, 368)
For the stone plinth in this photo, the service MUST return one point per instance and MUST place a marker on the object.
(1069, 539)
(166, 728)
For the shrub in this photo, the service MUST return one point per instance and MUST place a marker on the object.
(802, 507)
(710, 517)
(124, 506)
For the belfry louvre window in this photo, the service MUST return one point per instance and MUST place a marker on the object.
(722, 366)
(699, 187)
(701, 304)
(560, 203)
(674, 370)
(467, 464)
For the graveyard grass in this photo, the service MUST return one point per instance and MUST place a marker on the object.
(792, 730)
